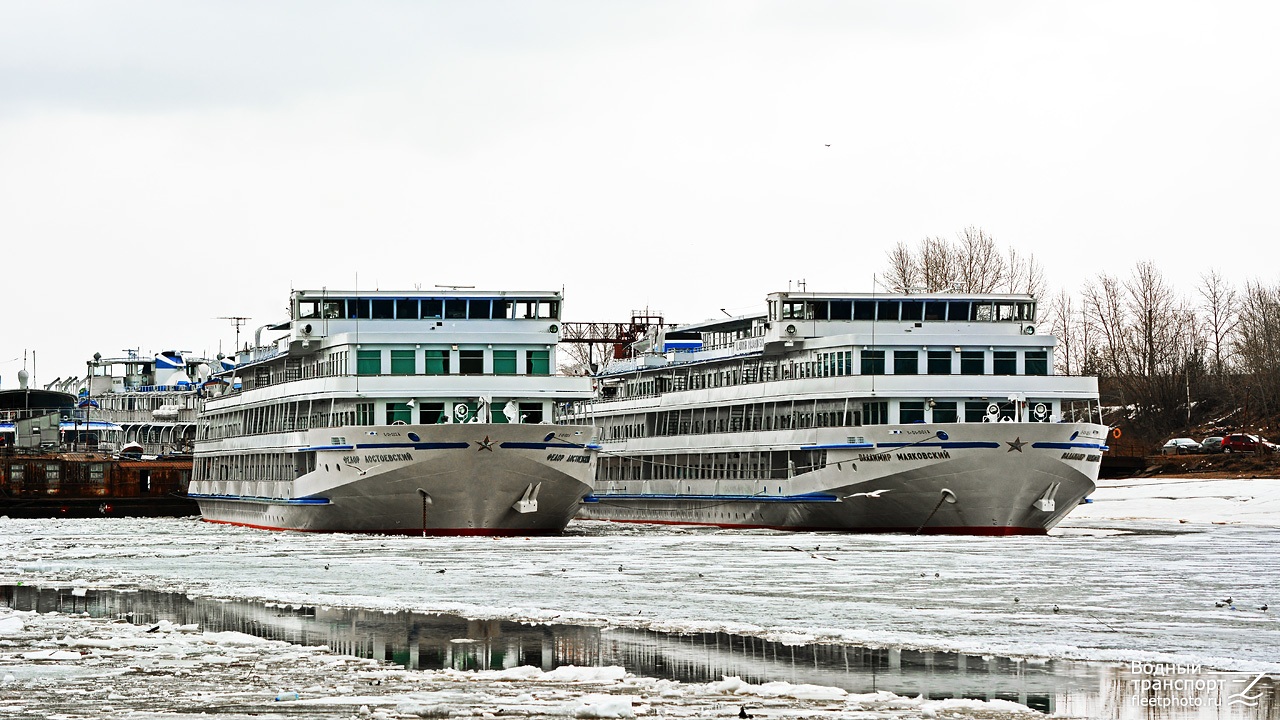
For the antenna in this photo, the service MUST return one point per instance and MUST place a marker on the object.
(239, 322)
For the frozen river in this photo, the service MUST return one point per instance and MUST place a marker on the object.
(1137, 576)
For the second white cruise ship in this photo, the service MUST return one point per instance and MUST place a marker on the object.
(935, 413)
(399, 413)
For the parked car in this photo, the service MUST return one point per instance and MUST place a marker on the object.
(1180, 446)
(1243, 442)
(1211, 444)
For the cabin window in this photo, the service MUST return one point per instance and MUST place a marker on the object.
(910, 412)
(1004, 362)
(368, 362)
(530, 412)
(888, 310)
(1037, 362)
(52, 473)
(939, 362)
(906, 362)
(16, 472)
(975, 411)
(384, 309)
(308, 309)
(864, 310)
(97, 472)
(981, 312)
(430, 413)
(504, 362)
(1006, 311)
(944, 412)
(478, 309)
(470, 362)
(793, 310)
(958, 311)
(973, 362)
(334, 309)
(407, 309)
(399, 412)
(455, 309)
(549, 309)
(841, 309)
(402, 362)
(912, 310)
(935, 310)
(358, 308)
(875, 413)
(817, 310)
(537, 362)
(872, 362)
(437, 362)
(503, 309)
(364, 413)
(432, 308)
(1027, 311)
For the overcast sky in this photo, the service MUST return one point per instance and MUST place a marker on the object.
(166, 163)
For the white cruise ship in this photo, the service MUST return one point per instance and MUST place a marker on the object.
(399, 413)
(935, 413)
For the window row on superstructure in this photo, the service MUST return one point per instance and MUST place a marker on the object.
(745, 465)
(298, 415)
(450, 359)
(834, 412)
(427, 308)
(900, 310)
(832, 363)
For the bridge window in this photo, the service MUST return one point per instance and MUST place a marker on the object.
(455, 309)
(864, 310)
(872, 362)
(888, 310)
(437, 362)
(1005, 362)
(402, 362)
(841, 309)
(407, 309)
(1037, 362)
(470, 362)
(504, 362)
(503, 309)
(368, 362)
(906, 362)
(432, 308)
(537, 362)
(939, 362)
(935, 310)
(384, 309)
(912, 310)
(478, 309)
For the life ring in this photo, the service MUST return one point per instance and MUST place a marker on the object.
(1115, 433)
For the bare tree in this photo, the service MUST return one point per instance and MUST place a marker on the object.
(1220, 306)
(1024, 274)
(1104, 314)
(979, 265)
(936, 264)
(902, 274)
(1158, 321)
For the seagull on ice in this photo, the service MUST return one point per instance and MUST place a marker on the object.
(742, 712)
(1055, 608)
(871, 494)
(1263, 607)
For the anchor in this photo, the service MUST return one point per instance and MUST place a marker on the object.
(529, 501)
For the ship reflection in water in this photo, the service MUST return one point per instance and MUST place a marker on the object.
(429, 642)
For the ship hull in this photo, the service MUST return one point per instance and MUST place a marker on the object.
(465, 479)
(974, 479)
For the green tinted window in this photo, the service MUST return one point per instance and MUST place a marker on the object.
(504, 362)
(368, 362)
(401, 362)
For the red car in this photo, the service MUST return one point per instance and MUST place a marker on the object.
(1240, 442)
